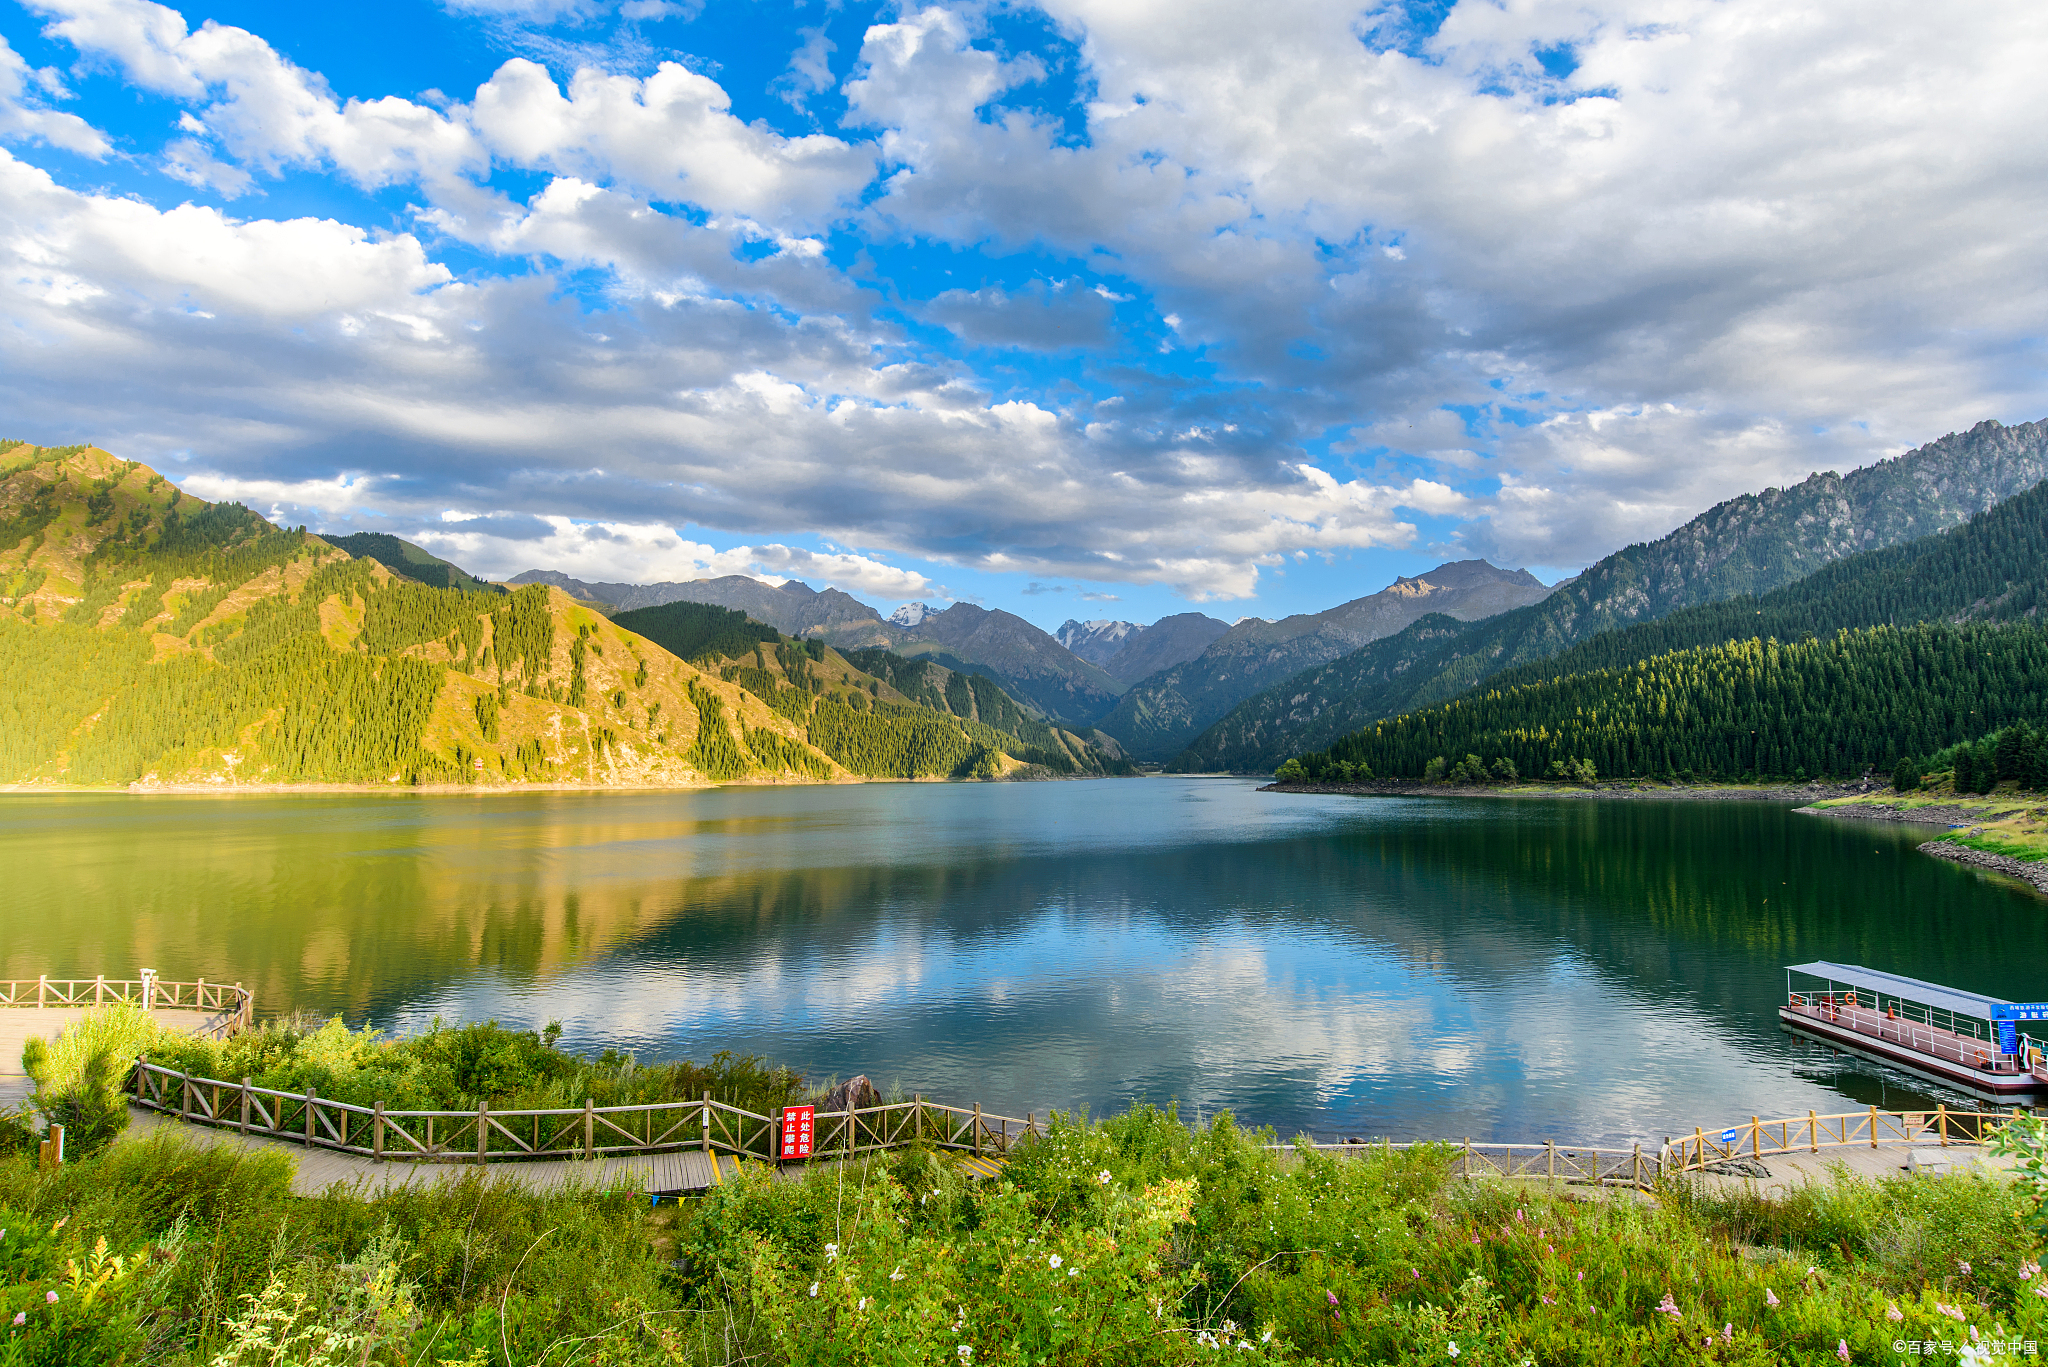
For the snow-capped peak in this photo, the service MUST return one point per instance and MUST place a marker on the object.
(910, 614)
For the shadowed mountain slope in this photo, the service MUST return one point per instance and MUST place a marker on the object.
(1747, 545)
(1158, 716)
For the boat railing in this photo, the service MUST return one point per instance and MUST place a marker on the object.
(1704, 1149)
(1846, 1011)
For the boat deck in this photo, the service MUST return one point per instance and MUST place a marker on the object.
(1960, 1060)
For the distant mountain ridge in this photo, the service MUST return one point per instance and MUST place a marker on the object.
(1128, 652)
(1157, 718)
(1026, 662)
(1750, 544)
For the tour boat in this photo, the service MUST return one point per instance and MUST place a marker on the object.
(1962, 1039)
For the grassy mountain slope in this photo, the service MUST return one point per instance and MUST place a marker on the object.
(1160, 715)
(147, 637)
(404, 558)
(1025, 662)
(875, 713)
(1747, 545)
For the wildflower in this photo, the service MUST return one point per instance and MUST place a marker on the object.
(1332, 1295)
(814, 1291)
(1892, 1312)
(50, 1297)
(1582, 1276)
(897, 1275)
(1948, 1310)
(1229, 1328)
(1245, 1346)
(1073, 1272)
(2041, 1289)
(965, 1350)
(1548, 1301)
(1475, 1238)
(1973, 1333)
(1842, 1349)
(2026, 1269)
(1103, 1177)
(863, 1304)
(1206, 1339)
(1770, 1296)
(1727, 1333)
(20, 1318)
(1415, 1273)
(1668, 1306)
(1267, 1337)
(831, 1251)
(1053, 1261)
(1963, 1265)
(1454, 1348)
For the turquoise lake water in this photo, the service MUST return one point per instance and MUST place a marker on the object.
(1585, 970)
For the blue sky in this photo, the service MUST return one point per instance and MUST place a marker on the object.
(1092, 309)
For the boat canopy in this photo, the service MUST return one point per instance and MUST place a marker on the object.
(1948, 999)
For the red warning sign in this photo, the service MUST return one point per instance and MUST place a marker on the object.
(798, 1123)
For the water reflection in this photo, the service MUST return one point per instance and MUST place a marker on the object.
(1492, 968)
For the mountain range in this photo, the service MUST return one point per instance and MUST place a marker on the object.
(1750, 544)
(1128, 652)
(1158, 717)
(1883, 655)
(150, 638)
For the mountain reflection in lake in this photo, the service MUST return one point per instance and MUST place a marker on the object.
(1407, 967)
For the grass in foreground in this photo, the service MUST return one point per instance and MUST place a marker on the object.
(1135, 1240)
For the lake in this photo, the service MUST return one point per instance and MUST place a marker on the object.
(1412, 967)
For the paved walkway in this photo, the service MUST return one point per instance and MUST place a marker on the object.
(1791, 1170)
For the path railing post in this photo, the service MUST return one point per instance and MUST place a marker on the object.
(1873, 1127)
(707, 1123)
(247, 1083)
(1941, 1120)
(1756, 1137)
(483, 1128)
(1812, 1133)
(42, 986)
(377, 1135)
(977, 1129)
(309, 1117)
(99, 988)
(589, 1128)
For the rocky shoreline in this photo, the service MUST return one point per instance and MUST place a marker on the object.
(1621, 790)
(2033, 873)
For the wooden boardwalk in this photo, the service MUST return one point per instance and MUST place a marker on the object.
(18, 1024)
(315, 1170)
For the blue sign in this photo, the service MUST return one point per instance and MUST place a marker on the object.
(1728, 1136)
(2021, 1011)
(2008, 1037)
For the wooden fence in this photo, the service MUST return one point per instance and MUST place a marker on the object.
(589, 1131)
(232, 1006)
(1576, 1163)
(1811, 1133)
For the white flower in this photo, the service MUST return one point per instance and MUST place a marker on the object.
(897, 1275)
(1073, 1272)
(1454, 1347)
(831, 1250)
(1245, 1346)
(863, 1304)
(814, 1291)
(1053, 1261)
(965, 1350)
(1103, 1177)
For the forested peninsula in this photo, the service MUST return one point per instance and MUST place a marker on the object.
(151, 639)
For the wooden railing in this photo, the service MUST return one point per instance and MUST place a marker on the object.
(590, 1131)
(1574, 1163)
(232, 1006)
(1811, 1133)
